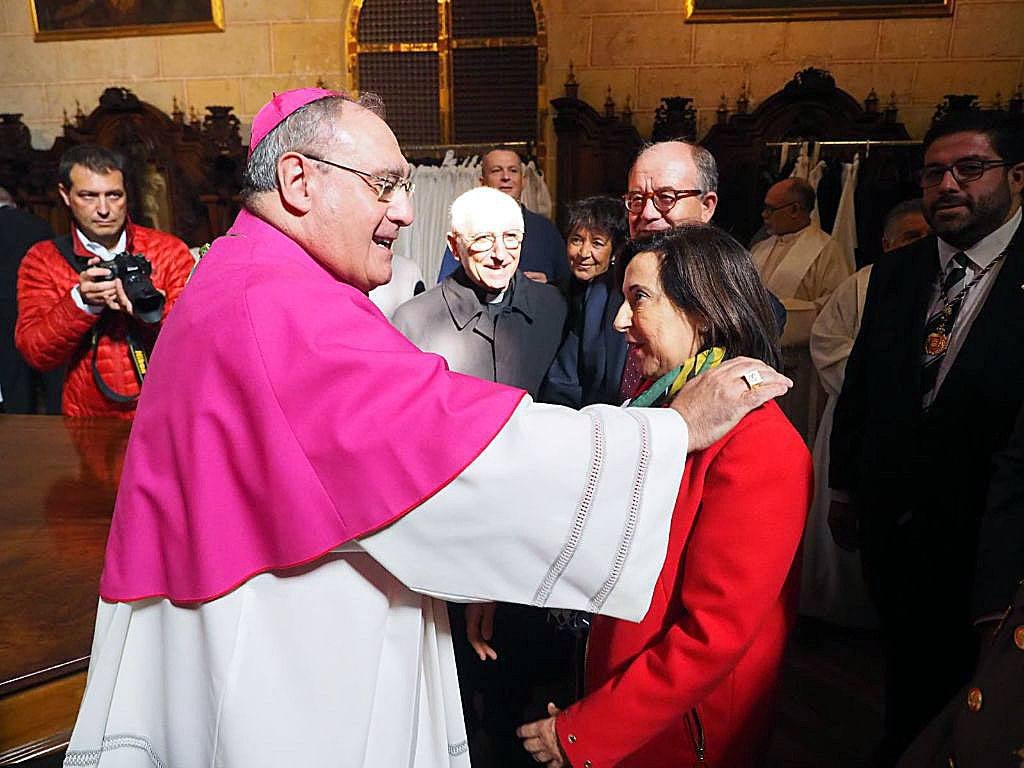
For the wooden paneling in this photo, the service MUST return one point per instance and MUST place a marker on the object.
(37, 718)
(58, 478)
(183, 177)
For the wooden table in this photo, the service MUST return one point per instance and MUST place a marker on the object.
(57, 484)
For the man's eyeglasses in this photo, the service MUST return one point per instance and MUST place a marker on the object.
(664, 199)
(962, 170)
(384, 186)
(773, 208)
(484, 242)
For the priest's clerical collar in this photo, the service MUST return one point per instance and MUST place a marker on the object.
(483, 294)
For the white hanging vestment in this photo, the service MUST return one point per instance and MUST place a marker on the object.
(844, 229)
(814, 177)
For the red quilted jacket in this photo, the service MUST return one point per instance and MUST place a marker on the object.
(52, 330)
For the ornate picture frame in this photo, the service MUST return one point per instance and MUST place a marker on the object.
(88, 19)
(796, 10)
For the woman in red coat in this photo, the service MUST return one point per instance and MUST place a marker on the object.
(693, 683)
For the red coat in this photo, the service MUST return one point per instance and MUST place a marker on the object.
(52, 330)
(723, 606)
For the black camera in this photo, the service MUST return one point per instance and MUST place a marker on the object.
(134, 270)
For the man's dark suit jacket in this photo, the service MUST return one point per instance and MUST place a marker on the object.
(19, 231)
(1001, 545)
(992, 735)
(935, 467)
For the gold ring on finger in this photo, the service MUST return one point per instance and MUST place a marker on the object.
(753, 378)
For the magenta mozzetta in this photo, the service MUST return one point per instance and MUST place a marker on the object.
(296, 364)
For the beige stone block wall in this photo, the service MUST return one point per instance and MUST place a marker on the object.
(643, 49)
(267, 46)
(978, 50)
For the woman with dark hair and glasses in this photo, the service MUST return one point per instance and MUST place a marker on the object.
(693, 683)
(588, 366)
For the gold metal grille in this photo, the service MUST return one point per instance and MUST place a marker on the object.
(409, 21)
(485, 57)
(472, 18)
(408, 83)
(495, 93)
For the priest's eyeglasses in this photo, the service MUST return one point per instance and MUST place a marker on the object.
(485, 241)
(770, 209)
(384, 186)
(963, 171)
(664, 199)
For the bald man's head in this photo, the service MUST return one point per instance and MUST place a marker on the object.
(787, 206)
(671, 182)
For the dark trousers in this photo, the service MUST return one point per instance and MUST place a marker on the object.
(920, 584)
(536, 663)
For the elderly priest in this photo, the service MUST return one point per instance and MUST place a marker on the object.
(302, 484)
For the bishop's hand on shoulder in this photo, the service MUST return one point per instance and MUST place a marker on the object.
(714, 402)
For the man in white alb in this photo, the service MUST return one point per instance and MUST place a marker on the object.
(798, 262)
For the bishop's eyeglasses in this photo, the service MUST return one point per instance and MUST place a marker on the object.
(664, 199)
(384, 186)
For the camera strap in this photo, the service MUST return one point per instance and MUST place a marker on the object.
(137, 354)
(67, 250)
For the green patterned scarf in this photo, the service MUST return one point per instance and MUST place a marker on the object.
(665, 388)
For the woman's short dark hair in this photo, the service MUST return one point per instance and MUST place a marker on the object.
(709, 275)
(600, 214)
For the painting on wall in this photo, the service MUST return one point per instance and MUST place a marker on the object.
(786, 10)
(79, 19)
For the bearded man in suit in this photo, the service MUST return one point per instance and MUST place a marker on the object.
(932, 387)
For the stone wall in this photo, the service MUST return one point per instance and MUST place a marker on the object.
(267, 45)
(644, 49)
(641, 48)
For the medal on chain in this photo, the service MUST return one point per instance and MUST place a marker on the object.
(936, 342)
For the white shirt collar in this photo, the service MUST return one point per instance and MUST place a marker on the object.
(985, 250)
(98, 250)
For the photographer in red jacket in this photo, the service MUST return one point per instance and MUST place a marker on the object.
(93, 300)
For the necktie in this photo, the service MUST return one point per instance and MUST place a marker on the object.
(631, 377)
(940, 323)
